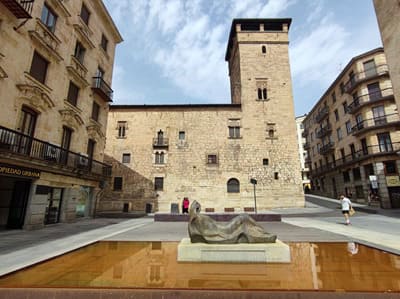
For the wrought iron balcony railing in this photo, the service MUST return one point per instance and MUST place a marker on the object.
(329, 147)
(370, 98)
(304, 133)
(375, 123)
(370, 73)
(17, 143)
(21, 9)
(102, 89)
(322, 114)
(377, 150)
(160, 142)
(325, 130)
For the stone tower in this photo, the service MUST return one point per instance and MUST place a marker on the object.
(260, 78)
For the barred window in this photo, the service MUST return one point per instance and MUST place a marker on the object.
(233, 186)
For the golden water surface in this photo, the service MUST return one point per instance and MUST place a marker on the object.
(314, 266)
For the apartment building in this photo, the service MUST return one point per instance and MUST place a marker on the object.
(303, 154)
(56, 63)
(222, 155)
(353, 137)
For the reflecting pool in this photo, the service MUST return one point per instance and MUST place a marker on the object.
(314, 266)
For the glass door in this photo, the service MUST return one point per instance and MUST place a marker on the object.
(53, 208)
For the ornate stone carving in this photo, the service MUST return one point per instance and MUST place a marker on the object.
(3, 73)
(71, 118)
(94, 131)
(36, 96)
(241, 229)
(46, 39)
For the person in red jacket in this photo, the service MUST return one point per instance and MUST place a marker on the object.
(185, 205)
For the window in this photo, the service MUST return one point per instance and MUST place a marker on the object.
(336, 112)
(364, 146)
(27, 121)
(263, 49)
(265, 162)
(345, 109)
(212, 159)
(104, 42)
(374, 91)
(385, 143)
(85, 14)
(99, 72)
(379, 115)
(356, 174)
(73, 92)
(233, 186)
(39, 67)
(90, 147)
(48, 18)
(66, 138)
(333, 97)
(234, 132)
(276, 175)
(122, 127)
(312, 136)
(343, 154)
(359, 122)
(369, 68)
(117, 183)
(159, 158)
(390, 167)
(95, 111)
(369, 170)
(262, 93)
(158, 183)
(341, 86)
(181, 135)
(346, 176)
(348, 127)
(352, 150)
(79, 52)
(339, 133)
(126, 158)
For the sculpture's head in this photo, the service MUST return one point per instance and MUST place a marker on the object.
(195, 208)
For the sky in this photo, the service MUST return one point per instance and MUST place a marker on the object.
(174, 50)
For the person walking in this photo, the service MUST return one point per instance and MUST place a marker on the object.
(346, 206)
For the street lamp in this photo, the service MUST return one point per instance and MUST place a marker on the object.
(254, 182)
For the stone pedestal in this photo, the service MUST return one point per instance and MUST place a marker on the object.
(233, 253)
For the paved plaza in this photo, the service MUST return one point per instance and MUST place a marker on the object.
(322, 222)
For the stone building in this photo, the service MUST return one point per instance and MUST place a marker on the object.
(353, 135)
(388, 14)
(301, 140)
(210, 152)
(56, 62)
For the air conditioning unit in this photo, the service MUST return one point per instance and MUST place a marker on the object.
(51, 151)
(83, 160)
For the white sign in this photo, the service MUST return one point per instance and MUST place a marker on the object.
(374, 181)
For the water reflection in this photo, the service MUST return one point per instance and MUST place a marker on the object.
(314, 266)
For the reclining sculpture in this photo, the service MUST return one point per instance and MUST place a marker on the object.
(241, 229)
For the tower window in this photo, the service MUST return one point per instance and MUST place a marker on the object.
(126, 158)
(262, 93)
(181, 135)
(212, 159)
(122, 127)
(265, 162)
(263, 49)
(159, 158)
(158, 183)
(234, 132)
(117, 183)
(276, 175)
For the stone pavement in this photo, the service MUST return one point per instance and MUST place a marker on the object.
(320, 222)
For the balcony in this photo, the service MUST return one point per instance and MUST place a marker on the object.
(322, 114)
(306, 145)
(327, 148)
(371, 151)
(160, 142)
(388, 120)
(304, 133)
(53, 156)
(358, 78)
(78, 72)
(101, 88)
(324, 131)
(21, 9)
(46, 39)
(370, 98)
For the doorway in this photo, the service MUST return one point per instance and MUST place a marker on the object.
(53, 208)
(16, 201)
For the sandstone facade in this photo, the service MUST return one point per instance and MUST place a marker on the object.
(211, 152)
(353, 135)
(56, 63)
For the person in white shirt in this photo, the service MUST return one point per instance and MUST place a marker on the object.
(346, 206)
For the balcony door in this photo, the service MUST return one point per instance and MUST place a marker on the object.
(385, 143)
(370, 68)
(379, 115)
(65, 144)
(27, 126)
(374, 91)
